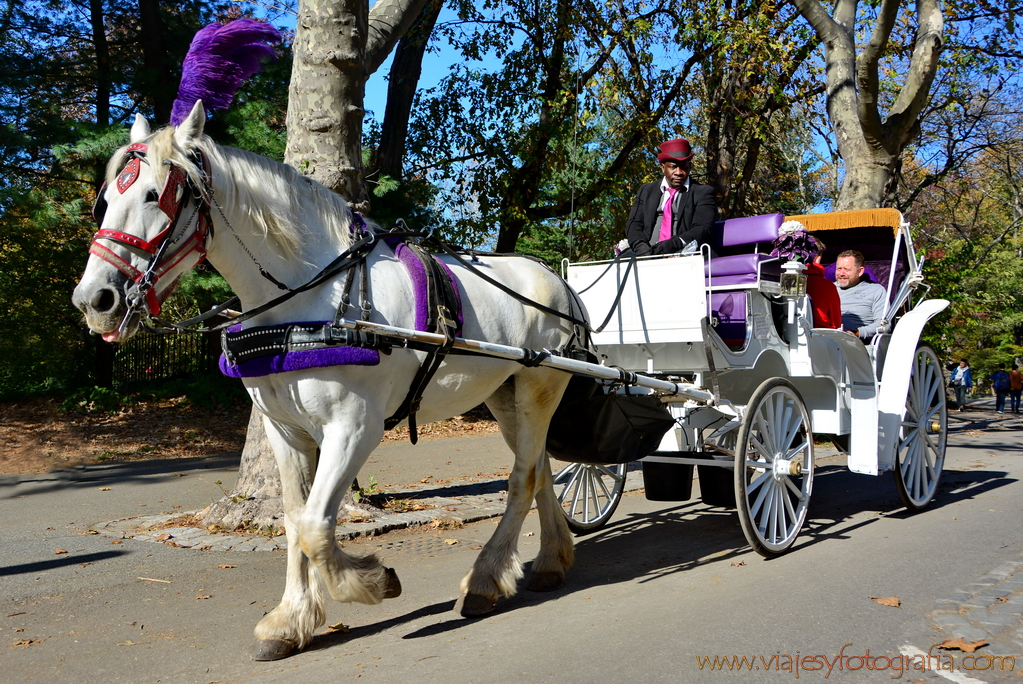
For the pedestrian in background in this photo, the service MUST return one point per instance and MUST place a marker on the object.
(1000, 384)
(1015, 388)
(962, 382)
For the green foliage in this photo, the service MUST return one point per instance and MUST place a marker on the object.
(94, 400)
(207, 391)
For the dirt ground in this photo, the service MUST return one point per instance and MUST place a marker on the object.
(37, 436)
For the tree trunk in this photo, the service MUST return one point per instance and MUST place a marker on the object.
(406, 69)
(870, 142)
(325, 100)
(155, 76)
(99, 40)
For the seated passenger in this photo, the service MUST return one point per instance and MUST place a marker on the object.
(863, 303)
(659, 226)
(794, 242)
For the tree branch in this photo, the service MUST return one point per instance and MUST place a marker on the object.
(388, 21)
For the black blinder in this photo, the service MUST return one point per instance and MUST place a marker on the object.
(99, 209)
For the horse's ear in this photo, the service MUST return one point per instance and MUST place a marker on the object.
(139, 129)
(188, 131)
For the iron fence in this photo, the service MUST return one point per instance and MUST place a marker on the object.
(147, 356)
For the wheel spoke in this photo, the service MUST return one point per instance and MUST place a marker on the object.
(763, 482)
(796, 491)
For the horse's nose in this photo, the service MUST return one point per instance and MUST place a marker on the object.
(103, 300)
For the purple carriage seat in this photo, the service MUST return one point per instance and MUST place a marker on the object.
(744, 242)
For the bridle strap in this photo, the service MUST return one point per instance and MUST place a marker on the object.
(172, 201)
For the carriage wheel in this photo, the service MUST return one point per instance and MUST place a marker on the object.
(773, 467)
(920, 454)
(589, 494)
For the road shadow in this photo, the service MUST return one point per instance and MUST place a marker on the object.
(41, 566)
(109, 474)
(651, 546)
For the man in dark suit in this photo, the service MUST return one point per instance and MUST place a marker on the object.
(657, 227)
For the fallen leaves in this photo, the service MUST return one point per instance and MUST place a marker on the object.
(450, 542)
(339, 627)
(59, 551)
(26, 642)
(739, 564)
(104, 489)
(225, 566)
(962, 645)
(203, 597)
(890, 601)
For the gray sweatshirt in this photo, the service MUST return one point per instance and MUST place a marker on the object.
(863, 306)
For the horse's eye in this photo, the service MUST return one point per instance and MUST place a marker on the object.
(152, 196)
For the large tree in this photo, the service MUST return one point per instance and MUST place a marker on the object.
(880, 91)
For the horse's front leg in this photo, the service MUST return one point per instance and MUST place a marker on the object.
(290, 626)
(344, 449)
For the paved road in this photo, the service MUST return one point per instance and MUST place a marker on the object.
(660, 587)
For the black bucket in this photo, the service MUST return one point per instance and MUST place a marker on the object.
(717, 486)
(668, 481)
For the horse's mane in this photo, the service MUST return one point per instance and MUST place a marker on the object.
(274, 195)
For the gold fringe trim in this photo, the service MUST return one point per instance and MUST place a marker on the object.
(861, 218)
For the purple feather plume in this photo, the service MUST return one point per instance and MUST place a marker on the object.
(220, 58)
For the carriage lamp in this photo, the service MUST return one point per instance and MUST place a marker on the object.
(793, 282)
(793, 286)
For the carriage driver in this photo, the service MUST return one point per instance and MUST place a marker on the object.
(669, 214)
(863, 302)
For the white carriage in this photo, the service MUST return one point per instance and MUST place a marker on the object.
(740, 329)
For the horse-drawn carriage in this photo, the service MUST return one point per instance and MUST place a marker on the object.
(739, 326)
(363, 344)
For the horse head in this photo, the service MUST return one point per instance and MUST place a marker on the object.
(153, 221)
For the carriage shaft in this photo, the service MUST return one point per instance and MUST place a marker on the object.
(502, 351)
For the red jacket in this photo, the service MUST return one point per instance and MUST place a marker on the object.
(827, 307)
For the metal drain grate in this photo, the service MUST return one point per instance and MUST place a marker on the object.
(425, 546)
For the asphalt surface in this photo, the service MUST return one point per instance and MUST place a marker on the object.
(88, 595)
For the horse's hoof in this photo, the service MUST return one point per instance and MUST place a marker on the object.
(393, 588)
(474, 605)
(271, 649)
(544, 581)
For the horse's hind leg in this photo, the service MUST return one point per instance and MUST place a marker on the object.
(523, 407)
(290, 626)
(557, 548)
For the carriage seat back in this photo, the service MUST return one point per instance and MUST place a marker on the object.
(744, 243)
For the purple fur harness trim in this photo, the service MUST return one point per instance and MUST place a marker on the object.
(305, 359)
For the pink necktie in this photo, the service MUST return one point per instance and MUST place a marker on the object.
(666, 218)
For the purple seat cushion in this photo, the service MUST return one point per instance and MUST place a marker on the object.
(737, 264)
(737, 279)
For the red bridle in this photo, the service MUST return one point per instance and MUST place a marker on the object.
(172, 201)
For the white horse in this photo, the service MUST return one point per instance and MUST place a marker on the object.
(323, 422)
